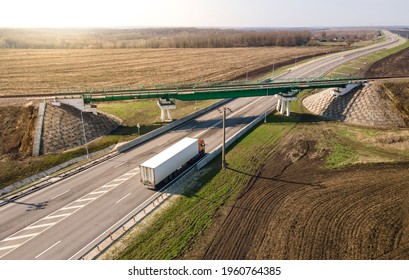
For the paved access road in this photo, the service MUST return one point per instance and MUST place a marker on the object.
(65, 219)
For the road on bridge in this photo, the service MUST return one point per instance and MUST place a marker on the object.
(64, 220)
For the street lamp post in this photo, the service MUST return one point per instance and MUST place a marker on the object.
(224, 137)
(85, 137)
(224, 140)
(265, 111)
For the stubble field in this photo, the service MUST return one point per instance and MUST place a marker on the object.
(44, 71)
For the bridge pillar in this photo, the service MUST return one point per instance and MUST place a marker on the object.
(288, 108)
(165, 106)
(278, 103)
(283, 105)
(284, 102)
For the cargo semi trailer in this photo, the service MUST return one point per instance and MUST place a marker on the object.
(167, 164)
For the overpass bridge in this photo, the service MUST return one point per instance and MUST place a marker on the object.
(204, 91)
(287, 89)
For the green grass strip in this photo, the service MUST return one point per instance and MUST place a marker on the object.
(341, 156)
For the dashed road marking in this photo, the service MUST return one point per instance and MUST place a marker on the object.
(39, 227)
(60, 194)
(49, 248)
(122, 198)
(120, 164)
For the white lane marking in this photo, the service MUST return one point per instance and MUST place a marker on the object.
(122, 198)
(119, 179)
(56, 216)
(99, 192)
(53, 215)
(86, 199)
(108, 186)
(133, 173)
(127, 174)
(114, 225)
(20, 237)
(42, 225)
(60, 194)
(49, 248)
(71, 207)
(120, 164)
(9, 247)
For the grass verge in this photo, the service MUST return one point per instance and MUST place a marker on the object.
(341, 156)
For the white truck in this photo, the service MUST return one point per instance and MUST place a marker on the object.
(165, 165)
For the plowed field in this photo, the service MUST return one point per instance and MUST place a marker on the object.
(294, 209)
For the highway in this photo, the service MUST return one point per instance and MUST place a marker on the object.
(321, 66)
(62, 221)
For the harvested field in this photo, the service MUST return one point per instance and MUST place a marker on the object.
(295, 209)
(40, 71)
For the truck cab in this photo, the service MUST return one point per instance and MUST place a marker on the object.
(202, 147)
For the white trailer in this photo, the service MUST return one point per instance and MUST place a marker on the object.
(166, 163)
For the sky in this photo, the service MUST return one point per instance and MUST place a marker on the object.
(202, 13)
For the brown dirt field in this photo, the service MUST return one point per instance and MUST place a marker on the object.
(41, 71)
(398, 92)
(393, 65)
(298, 210)
(16, 135)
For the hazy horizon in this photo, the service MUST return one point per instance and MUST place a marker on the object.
(203, 14)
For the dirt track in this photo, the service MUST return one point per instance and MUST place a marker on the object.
(297, 210)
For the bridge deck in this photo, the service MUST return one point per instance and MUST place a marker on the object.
(202, 91)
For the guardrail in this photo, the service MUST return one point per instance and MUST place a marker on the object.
(158, 199)
(53, 179)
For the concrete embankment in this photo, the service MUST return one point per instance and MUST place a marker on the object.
(367, 106)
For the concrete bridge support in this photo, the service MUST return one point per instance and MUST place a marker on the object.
(165, 106)
(283, 104)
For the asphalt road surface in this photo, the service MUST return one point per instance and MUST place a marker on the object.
(64, 220)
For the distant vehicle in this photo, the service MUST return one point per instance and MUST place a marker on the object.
(166, 165)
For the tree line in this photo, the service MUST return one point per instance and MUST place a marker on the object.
(149, 38)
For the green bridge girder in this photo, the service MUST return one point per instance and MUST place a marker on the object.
(217, 91)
